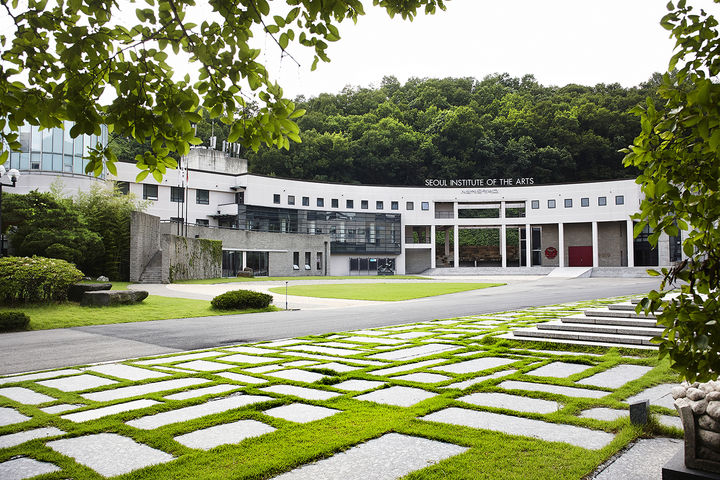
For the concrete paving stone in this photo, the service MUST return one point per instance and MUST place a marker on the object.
(511, 402)
(556, 389)
(469, 354)
(126, 371)
(415, 352)
(475, 365)
(406, 327)
(643, 461)
(325, 350)
(357, 385)
(199, 392)
(422, 377)
(338, 367)
(562, 352)
(451, 336)
(398, 396)
(301, 412)
(157, 420)
(224, 434)
(550, 432)
(77, 383)
(602, 413)
(177, 358)
(282, 343)
(407, 367)
(468, 383)
(297, 375)
(251, 359)
(670, 421)
(558, 369)
(444, 322)
(25, 395)
(342, 345)
(38, 376)
(301, 392)
(332, 359)
(137, 390)
(13, 439)
(380, 340)
(205, 366)
(23, 467)
(109, 454)
(252, 350)
(389, 457)
(411, 335)
(368, 332)
(239, 377)
(264, 368)
(87, 415)
(658, 395)
(299, 363)
(382, 348)
(616, 377)
(63, 407)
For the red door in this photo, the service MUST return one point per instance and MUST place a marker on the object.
(580, 256)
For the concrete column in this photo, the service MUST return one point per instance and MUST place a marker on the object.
(244, 259)
(447, 242)
(456, 246)
(432, 247)
(503, 245)
(595, 243)
(561, 245)
(528, 245)
(630, 244)
(663, 247)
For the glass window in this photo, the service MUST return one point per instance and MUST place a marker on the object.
(203, 222)
(307, 261)
(319, 261)
(150, 192)
(306, 201)
(296, 260)
(202, 197)
(36, 139)
(602, 201)
(123, 187)
(291, 199)
(409, 206)
(568, 203)
(585, 202)
(364, 204)
(619, 200)
(425, 205)
(535, 204)
(320, 202)
(276, 198)
(177, 194)
(394, 206)
(334, 203)
(378, 205)
(551, 203)
(349, 204)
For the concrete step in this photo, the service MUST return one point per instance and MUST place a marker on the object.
(596, 328)
(511, 336)
(577, 337)
(606, 312)
(618, 321)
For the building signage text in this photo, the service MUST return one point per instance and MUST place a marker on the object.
(479, 182)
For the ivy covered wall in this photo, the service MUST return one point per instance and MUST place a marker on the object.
(191, 258)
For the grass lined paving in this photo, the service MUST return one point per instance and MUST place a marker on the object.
(386, 292)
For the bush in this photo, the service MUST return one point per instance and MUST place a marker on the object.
(10, 321)
(35, 279)
(241, 299)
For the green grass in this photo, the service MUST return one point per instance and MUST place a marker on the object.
(311, 277)
(386, 292)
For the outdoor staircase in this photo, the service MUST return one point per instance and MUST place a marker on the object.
(617, 325)
(153, 270)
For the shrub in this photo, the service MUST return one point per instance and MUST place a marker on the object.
(35, 279)
(10, 321)
(241, 299)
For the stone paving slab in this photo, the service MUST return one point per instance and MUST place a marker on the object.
(468, 383)
(264, 368)
(298, 375)
(558, 369)
(13, 439)
(136, 390)
(157, 420)
(396, 395)
(380, 340)
(205, 366)
(325, 350)
(416, 352)
(602, 413)
(368, 332)
(126, 371)
(109, 454)
(282, 343)
(254, 360)
(10, 416)
(299, 363)
(94, 414)
(404, 368)
(239, 377)
(301, 412)
(63, 407)
(25, 395)
(333, 359)
(224, 434)
(302, 392)
(77, 383)
(475, 365)
(251, 350)
(386, 458)
(556, 389)
(511, 402)
(670, 421)
(199, 392)
(422, 377)
(22, 468)
(550, 432)
(643, 461)
(616, 377)
(39, 376)
(357, 385)
(410, 335)
(177, 358)
(343, 345)
(338, 367)
(658, 395)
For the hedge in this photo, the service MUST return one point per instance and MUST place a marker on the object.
(241, 299)
(10, 321)
(35, 279)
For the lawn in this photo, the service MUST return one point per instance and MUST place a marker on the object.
(311, 277)
(386, 292)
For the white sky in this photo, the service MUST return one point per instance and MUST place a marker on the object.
(558, 41)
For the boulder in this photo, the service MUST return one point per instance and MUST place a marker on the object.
(75, 292)
(107, 298)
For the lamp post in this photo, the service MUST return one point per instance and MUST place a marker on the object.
(14, 176)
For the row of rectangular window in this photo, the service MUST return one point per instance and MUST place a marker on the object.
(177, 194)
(584, 202)
(296, 261)
(364, 204)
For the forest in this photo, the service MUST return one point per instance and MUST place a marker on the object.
(453, 128)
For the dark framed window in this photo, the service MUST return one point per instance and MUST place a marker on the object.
(320, 202)
(584, 202)
(202, 197)
(123, 187)
(425, 205)
(334, 203)
(619, 199)
(307, 261)
(296, 260)
(349, 204)
(551, 203)
(306, 201)
(378, 205)
(364, 204)
(150, 192)
(291, 199)
(394, 206)
(568, 203)
(319, 260)
(204, 222)
(602, 201)
(177, 194)
(409, 206)
(535, 204)
(276, 198)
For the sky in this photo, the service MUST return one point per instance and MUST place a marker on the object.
(557, 41)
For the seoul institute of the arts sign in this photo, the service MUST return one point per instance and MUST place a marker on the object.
(479, 182)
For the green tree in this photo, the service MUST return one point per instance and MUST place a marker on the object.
(59, 57)
(678, 152)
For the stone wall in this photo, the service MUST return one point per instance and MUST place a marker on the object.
(191, 258)
(612, 251)
(144, 242)
(417, 260)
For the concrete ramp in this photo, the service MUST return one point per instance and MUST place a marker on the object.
(571, 272)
